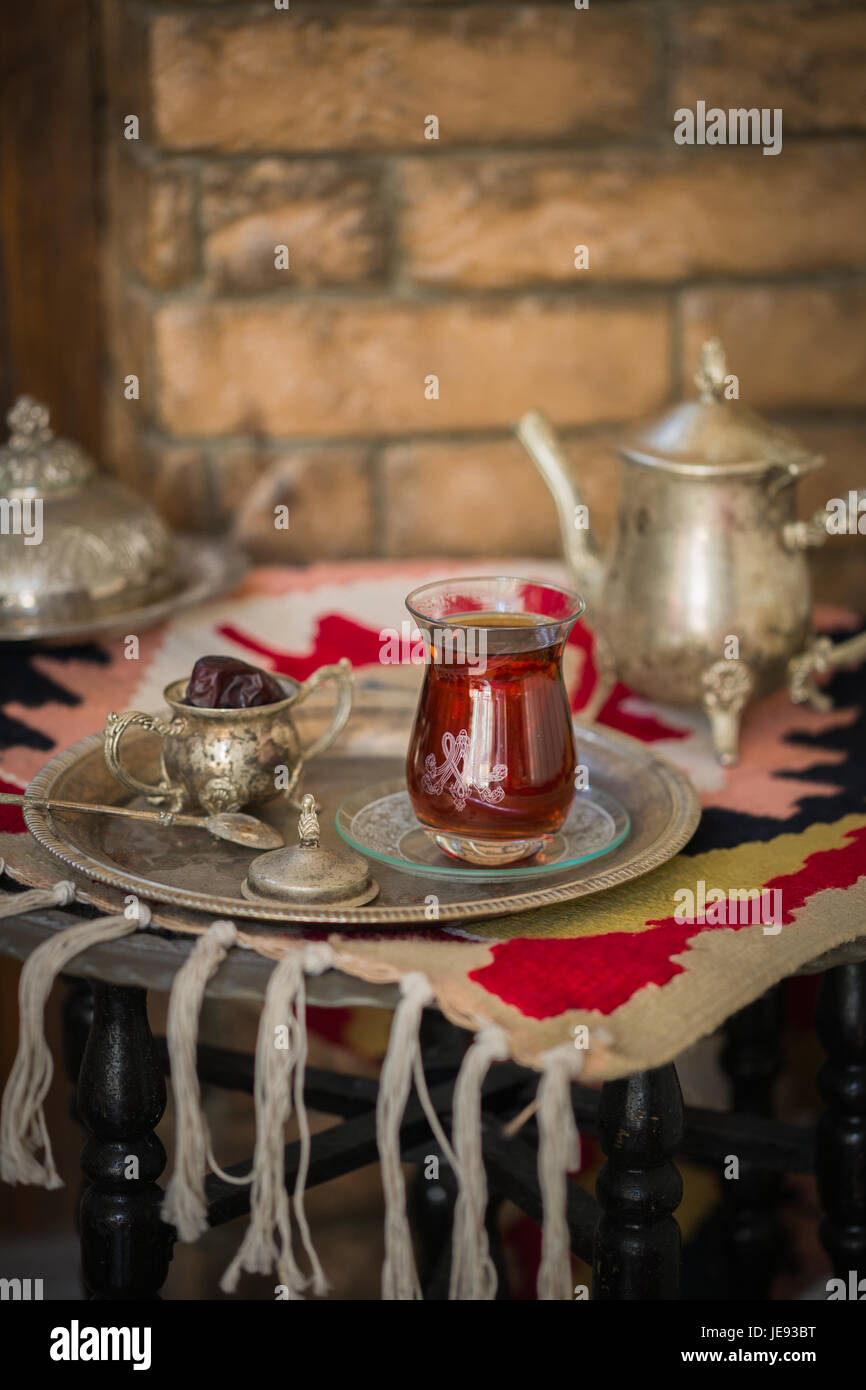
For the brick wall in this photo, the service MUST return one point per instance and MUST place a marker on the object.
(411, 257)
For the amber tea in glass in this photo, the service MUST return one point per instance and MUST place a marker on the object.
(491, 762)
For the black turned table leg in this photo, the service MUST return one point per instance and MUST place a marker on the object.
(76, 1019)
(431, 1213)
(637, 1245)
(497, 1253)
(125, 1247)
(752, 1059)
(432, 1198)
(840, 1156)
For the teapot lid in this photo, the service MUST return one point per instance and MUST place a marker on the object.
(716, 435)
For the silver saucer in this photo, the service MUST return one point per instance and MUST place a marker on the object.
(379, 822)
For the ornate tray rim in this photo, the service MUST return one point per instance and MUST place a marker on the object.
(206, 566)
(685, 814)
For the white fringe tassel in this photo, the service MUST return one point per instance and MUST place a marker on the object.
(473, 1273)
(399, 1275)
(16, 904)
(280, 1075)
(184, 1205)
(558, 1155)
(23, 1131)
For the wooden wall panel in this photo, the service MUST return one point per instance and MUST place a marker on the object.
(50, 321)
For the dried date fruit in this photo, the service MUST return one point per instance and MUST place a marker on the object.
(225, 682)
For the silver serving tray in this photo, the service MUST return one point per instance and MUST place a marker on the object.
(189, 869)
(205, 566)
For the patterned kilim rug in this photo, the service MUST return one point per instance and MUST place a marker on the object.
(790, 818)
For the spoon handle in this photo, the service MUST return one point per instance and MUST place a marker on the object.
(10, 799)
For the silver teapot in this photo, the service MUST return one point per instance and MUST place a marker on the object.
(704, 598)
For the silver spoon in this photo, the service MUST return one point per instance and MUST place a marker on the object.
(226, 825)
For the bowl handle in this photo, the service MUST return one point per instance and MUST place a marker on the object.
(115, 727)
(341, 672)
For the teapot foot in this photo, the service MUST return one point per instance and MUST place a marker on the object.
(727, 686)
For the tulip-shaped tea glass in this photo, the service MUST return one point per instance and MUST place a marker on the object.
(492, 759)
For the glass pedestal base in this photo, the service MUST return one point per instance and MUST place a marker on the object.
(489, 854)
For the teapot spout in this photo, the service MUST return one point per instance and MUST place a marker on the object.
(537, 436)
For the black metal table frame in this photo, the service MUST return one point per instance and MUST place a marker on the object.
(628, 1233)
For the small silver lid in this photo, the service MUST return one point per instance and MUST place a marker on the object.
(307, 874)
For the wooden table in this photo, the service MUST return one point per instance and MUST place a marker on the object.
(629, 1234)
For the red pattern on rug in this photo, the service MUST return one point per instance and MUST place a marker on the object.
(335, 637)
(11, 817)
(783, 748)
(546, 978)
